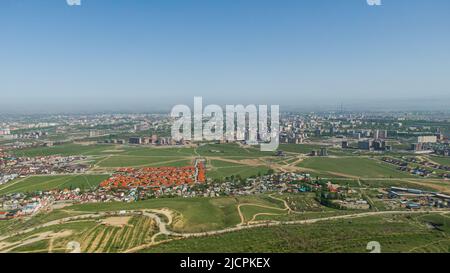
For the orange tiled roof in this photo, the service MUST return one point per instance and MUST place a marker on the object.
(155, 177)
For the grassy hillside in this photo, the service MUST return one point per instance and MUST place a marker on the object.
(395, 234)
(51, 182)
(195, 214)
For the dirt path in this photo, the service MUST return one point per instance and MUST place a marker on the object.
(286, 205)
(242, 217)
(253, 220)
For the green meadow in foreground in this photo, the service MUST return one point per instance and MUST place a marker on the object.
(394, 233)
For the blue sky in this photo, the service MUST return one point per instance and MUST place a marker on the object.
(152, 54)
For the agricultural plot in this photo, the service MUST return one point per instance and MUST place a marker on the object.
(105, 235)
(116, 237)
(351, 167)
(51, 182)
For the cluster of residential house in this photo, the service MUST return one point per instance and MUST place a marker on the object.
(5, 178)
(17, 205)
(24, 166)
(416, 198)
(20, 204)
(153, 178)
(327, 193)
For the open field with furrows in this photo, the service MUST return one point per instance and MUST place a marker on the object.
(353, 167)
(51, 182)
(104, 235)
(394, 233)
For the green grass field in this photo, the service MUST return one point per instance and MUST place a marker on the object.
(64, 150)
(51, 182)
(243, 171)
(299, 148)
(233, 150)
(117, 161)
(351, 167)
